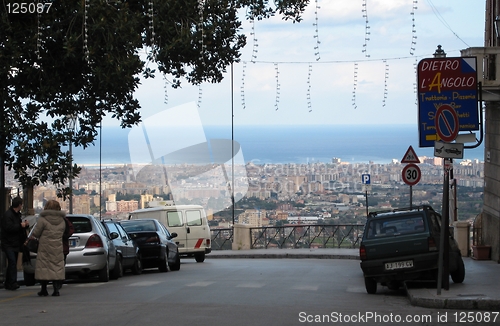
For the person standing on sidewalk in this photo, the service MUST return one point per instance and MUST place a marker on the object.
(49, 231)
(13, 236)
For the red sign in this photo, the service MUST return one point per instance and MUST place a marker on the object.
(410, 156)
(446, 122)
(411, 174)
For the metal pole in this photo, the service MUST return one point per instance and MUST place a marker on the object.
(411, 197)
(366, 197)
(232, 145)
(71, 175)
(443, 260)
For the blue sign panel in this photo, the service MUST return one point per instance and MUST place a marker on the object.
(365, 179)
(446, 81)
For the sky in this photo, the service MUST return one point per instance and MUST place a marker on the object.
(286, 77)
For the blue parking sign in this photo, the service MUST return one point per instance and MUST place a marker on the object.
(365, 179)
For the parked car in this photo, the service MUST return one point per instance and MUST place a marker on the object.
(91, 252)
(128, 255)
(155, 244)
(188, 221)
(403, 245)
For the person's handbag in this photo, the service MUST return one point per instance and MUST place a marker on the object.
(32, 244)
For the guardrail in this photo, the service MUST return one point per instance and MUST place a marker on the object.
(294, 236)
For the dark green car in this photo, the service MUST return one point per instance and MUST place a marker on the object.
(403, 245)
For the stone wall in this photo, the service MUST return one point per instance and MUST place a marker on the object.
(491, 205)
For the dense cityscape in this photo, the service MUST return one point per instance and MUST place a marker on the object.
(270, 194)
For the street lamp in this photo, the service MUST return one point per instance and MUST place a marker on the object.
(71, 123)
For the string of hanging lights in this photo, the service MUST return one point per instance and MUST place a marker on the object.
(316, 35)
(276, 68)
(367, 29)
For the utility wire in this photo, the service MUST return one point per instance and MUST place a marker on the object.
(443, 21)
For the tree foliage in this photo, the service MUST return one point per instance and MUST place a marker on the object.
(82, 59)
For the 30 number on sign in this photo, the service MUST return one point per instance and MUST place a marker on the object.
(411, 174)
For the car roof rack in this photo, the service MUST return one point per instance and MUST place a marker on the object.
(404, 209)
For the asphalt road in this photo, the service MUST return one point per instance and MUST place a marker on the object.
(224, 292)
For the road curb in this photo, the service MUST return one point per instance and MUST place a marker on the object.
(283, 256)
(465, 303)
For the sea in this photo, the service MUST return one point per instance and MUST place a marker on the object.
(278, 144)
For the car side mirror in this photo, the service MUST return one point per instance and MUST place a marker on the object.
(173, 235)
(113, 235)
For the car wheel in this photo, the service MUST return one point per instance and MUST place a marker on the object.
(199, 257)
(458, 275)
(104, 273)
(163, 266)
(177, 265)
(118, 270)
(29, 279)
(137, 267)
(370, 285)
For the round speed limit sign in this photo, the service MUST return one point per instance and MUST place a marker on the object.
(411, 174)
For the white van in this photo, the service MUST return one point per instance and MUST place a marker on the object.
(188, 221)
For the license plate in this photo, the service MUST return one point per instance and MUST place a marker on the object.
(72, 243)
(398, 265)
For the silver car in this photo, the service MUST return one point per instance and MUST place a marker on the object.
(91, 252)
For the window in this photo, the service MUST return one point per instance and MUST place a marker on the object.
(80, 224)
(395, 226)
(193, 218)
(174, 218)
(112, 228)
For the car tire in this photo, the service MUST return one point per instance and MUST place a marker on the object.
(199, 257)
(370, 285)
(29, 279)
(104, 273)
(118, 270)
(137, 267)
(177, 265)
(458, 275)
(163, 265)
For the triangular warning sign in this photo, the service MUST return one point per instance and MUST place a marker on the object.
(410, 156)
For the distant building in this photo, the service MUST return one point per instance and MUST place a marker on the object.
(303, 219)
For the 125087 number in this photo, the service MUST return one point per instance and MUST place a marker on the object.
(28, 7)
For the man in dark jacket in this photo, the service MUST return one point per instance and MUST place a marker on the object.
(13, 236)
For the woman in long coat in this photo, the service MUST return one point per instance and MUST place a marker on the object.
(49, 230)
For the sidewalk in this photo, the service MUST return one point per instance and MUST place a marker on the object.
(480, 289)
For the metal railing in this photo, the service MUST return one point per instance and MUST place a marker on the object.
(222, 239)
(294, 236)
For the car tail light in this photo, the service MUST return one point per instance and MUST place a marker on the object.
(362, 252)
(207, 242)
(94, 241)
(152, 239)
(432, 244)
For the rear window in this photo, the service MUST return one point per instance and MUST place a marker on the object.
(379, 228)
(139, 225)
(80, 224)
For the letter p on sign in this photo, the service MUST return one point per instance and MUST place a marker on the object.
(365, 179)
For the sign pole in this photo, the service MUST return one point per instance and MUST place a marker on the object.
(366, 196)
(411, 197)
(444, 245)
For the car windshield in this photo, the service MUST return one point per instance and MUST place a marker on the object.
(406, 224)
(80, 224)
(139, 225)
